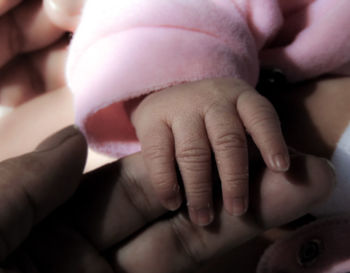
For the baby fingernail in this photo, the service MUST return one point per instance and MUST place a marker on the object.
(239, 206)
(201, 217)
(173, 203)
(281, 162)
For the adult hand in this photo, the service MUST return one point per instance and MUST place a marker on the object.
(114, 223)
(33, 49)
(35, 184)
(33, 46)
(32, 52)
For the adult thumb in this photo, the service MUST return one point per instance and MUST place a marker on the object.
(33, 185)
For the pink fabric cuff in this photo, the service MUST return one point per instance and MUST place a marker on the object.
(134, 62)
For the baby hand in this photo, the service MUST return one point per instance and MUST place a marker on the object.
(184, 124)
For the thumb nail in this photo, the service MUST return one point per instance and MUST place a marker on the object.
(57, 139)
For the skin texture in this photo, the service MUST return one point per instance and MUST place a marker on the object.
(16, 88)
(90, 231)
(319, 109)
(187, 123)
(27, 31)
(320, 93)
(18, 136)
(36, 72)
(32, 60)
(33, 47)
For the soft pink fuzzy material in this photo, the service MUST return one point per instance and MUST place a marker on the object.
(123, 49)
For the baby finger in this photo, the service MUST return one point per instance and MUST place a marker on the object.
(228, 140)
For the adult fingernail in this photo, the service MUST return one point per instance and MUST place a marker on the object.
(239, 206)
(58, 139)
(202, 217)
(281, 162)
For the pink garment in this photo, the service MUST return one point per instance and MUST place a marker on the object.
(123, 49)
(320, 247)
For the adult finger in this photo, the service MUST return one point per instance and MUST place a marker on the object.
(64, 13)
(228, 139)
(115, 201)
(262, 122)
(179, 246)
(33, 185)
(107, 213)
(25, 28)
(6, 5)
(193, 156)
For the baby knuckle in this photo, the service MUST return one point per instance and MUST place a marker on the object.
(213, 108)
(198, 191)
(229, 141)
(156, 153)
(224, 87)
(251, 97)
(216, 91)
(193, 155)
(163, 182)
(193, 168)
(262, 117)
(237, 182)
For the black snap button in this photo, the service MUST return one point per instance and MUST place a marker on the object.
(309, 252)
(271, 80)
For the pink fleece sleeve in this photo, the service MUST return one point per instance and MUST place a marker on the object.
(314, 39)
(123, 49)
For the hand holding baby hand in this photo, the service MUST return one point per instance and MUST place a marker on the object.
(185, 123)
